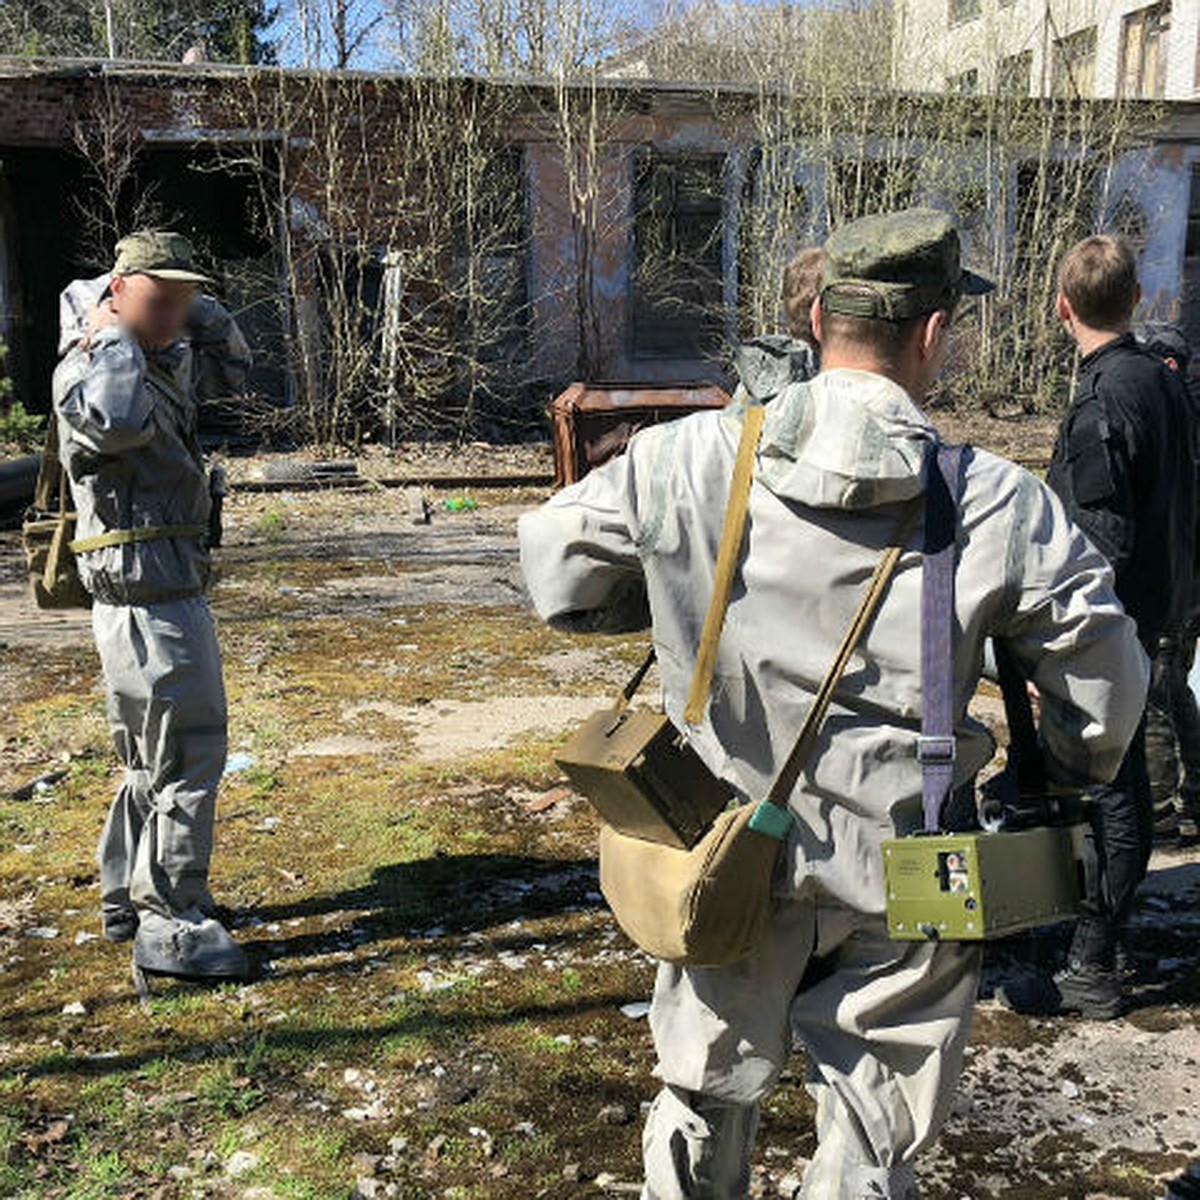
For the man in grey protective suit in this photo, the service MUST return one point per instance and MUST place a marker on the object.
(840, 470)
(141, 346)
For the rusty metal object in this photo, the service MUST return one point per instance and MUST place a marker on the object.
(594, 422)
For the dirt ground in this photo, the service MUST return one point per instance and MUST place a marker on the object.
(445, 1007)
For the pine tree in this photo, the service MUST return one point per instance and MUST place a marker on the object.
(162, 30)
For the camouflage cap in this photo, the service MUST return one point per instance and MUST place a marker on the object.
(160, 253)
(896, 265)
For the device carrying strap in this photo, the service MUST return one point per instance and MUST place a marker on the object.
(635, 682)
(51, 488)
(143, 533)
(936, 746)
(728, 551)
(773, 817)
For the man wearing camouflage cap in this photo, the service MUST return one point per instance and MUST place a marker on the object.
(840, 471)
(141, 347)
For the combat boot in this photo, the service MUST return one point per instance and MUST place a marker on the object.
(1092, 991)
(119, 924)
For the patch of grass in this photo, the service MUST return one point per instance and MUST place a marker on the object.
(100, 1174)
(329, 1145)
(543, 1043)
(302, 1189)
(229, 1093)
(10, 1174)
(271, 523)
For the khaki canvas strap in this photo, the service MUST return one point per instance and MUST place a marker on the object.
(773, 816)
(728, 552)
(51, 477)
(145, 533)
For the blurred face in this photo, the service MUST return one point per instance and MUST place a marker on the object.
(154, 310)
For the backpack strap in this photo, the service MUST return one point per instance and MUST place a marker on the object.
(936, 749)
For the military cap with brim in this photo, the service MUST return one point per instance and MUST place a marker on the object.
(159, 253)
(892, 266)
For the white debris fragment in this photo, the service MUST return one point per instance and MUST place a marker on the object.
(241, 1162)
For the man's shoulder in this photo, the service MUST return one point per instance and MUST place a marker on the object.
(694, 430)
(998, 489)
(1127, 377)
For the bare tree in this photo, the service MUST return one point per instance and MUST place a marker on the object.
(113, 200)
(402, 239)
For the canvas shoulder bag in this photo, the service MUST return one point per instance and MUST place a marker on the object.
(708, 904)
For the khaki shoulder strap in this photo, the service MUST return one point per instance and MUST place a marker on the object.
(50, 490)
(728, 553)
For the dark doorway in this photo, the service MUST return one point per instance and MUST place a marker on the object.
(212, 194)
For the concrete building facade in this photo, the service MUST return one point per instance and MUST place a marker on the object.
(1090, 49)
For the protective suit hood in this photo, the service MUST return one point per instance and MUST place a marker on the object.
(766, 365)
(846, 439)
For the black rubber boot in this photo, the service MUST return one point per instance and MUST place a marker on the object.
(1092, 991)
(119, 924)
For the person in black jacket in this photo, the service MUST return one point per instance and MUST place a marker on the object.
(1173, 716)
(1124, 470)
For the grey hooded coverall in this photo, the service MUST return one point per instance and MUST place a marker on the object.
(130, 449)
(635, 543)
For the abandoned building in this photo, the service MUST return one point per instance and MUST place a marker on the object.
(415, 255)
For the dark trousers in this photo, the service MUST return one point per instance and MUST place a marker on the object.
(1121, 832)
(1173, 733)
